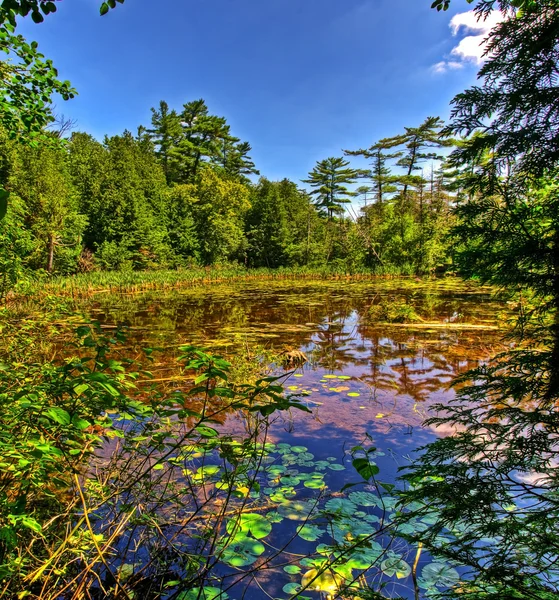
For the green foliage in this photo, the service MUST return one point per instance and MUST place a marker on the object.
(490, 490)
(329, 179)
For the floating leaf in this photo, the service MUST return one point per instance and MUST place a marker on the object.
(379, 415)
(242, 551)
(330, 376)
(364, 499)
(326, 582)
(395, 566)
(364, 558)
(310, 533)
(353, 394)
(298, 375)
(252, 523)
(336, 467)
(298, 449)
(291, 588)
(438, 574)
(206, 593)
(292, 569)
(296, 510)
(341, 506)
(314, 484)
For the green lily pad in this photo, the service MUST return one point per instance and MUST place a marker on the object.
(364, 498)
(206, 593)
(291, 588)
(242, 551)
(310, 533)
(296, 510)
(336, 467)
(292, 569)
(341, 506)
(364, 558)
(314, 484)
(252, 523)
(438, 575)
(395, 566)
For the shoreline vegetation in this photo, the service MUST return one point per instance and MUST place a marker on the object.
(136, 281)
(111, 491)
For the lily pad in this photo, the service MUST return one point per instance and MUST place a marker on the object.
(291, 588)
(292, 569)
(252, 523)
(296, 510)
(206, 593)
(438, 575)
(327, 582)
(341, 506)
(242, 551)
(395, 566)
(310, 533)
(364, 498)
(336, 467)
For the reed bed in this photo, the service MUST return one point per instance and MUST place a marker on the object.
(87, 284)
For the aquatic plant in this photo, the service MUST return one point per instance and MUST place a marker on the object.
(115, 491)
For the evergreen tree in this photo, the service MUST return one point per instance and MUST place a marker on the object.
(491, 489)
(166, 133)
(281, 225)
(329, 178)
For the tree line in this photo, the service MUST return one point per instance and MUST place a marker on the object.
(183, 191)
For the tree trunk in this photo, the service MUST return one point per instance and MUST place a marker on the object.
(50, 259)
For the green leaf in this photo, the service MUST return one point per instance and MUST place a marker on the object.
(310, 533)
(252, 523)
(103, 9)
(395, 566)
(291, 588)
(59, 415)
(242, 551)
(364, 499)
(292, 569)
(341, 506)
(366, 469)
(206, 593)
(296, 510)
(438, 575)
(206, 432)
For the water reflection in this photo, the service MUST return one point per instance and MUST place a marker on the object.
(392, 372)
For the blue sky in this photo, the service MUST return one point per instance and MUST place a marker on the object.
(298, 79)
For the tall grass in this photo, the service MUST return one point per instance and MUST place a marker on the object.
(129, 281)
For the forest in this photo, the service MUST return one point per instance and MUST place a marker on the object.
(178, 194)
(137, 463)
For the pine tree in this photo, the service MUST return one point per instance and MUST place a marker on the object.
(329, 178)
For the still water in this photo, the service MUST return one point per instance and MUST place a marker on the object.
(364, 380)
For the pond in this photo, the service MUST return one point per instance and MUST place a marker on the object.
(365, 382)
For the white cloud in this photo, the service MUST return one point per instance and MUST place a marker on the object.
(471, 48)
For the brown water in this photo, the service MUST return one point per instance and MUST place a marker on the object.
(391, 373)
(362, 378)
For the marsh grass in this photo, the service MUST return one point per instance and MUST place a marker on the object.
(85, 284)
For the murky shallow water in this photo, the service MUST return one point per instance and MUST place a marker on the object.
(363, 378)
(396, 370)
